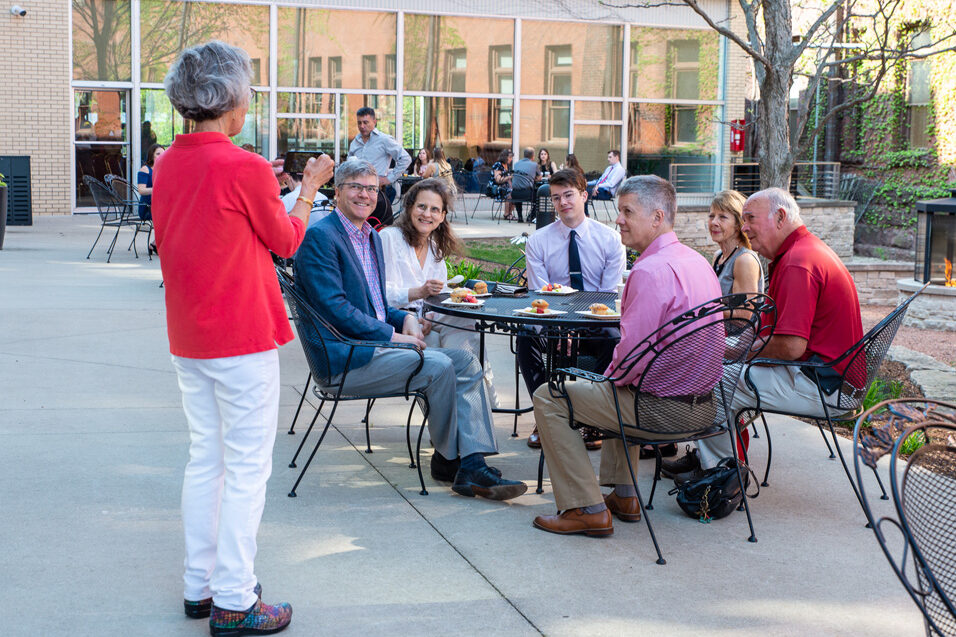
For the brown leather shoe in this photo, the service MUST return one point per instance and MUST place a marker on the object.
(624, 509)
(575, 521)
(534, 440)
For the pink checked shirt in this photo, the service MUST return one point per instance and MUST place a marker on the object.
(667, 279)
(362, 244)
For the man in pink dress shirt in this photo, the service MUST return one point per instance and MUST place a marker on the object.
(667, 279)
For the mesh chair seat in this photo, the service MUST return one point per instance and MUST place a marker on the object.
(114, 211)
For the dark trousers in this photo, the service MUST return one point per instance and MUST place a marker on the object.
(383, 209)
(593, 354)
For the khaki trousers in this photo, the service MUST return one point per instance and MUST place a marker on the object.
(572, 476)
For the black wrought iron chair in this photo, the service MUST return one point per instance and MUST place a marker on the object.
(114, 212)
(329, 389)
(126, 191)
(919, 542)
(859, 366)
(525, 196)
(723, 330)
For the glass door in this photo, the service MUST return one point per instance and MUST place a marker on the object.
(101, 138)
(306, 122)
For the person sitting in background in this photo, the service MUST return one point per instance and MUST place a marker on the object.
(420, 165)
(571, 163)
(547, 166)
(415, 249)
(294, 182)
(340, 272)
(501, 178)
(818, 317)
(574, 251)
(604, 188)
(144, 181)
(440, 168)
(667, 279)
(526, 174)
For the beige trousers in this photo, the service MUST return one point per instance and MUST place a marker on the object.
(572, 476)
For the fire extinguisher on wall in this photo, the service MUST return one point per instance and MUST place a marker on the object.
(737, 135)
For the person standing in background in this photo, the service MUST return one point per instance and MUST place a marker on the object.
(380, 150)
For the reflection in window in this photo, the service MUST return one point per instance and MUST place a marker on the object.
(315, 72)
(100, 116)
(592, 142)
(634, 69)
(160, 121)
(559, 69)
(437, 49)
(649, 138)
(428, 122)
(348, 129)
(501, 115)
(168, 27)
(578, 58)
(685, 67)
(502, 69)
(919, 94)
(305, 135)
(256, 64)
(343, 39)
(534, 131)
(335, 72)
(101, 40)
(674, 63)
(391, 68)
(305, 103)
(255, 130)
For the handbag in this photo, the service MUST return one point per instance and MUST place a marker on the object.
(716, 493)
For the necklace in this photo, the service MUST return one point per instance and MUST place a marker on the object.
(719, 267)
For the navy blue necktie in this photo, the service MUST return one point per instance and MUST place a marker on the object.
(574, 262)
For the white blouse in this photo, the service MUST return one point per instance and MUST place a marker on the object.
(402, 270)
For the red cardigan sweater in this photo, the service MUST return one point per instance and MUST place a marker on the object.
(217, 213)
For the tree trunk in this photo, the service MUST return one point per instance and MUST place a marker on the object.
(773, 143)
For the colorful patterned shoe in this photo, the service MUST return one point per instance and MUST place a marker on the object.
(261, 619)
(203, 608)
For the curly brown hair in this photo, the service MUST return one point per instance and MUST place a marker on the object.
(444, 240)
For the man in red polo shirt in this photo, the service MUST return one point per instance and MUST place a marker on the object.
(818, 315)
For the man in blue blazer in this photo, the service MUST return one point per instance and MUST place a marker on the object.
(340, 270)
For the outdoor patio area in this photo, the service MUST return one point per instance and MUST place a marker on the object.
(93, 442)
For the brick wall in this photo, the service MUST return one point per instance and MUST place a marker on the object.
(832, 221)
(35, 98)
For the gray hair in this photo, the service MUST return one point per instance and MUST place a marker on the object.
(780, 199)
(351, 168)
(654, 193)
(208, 80)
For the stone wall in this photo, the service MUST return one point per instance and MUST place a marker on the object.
(35, 98)
(934, 309)
(876, 279)
(832, 221)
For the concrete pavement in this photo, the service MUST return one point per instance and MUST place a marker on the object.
(93, 444)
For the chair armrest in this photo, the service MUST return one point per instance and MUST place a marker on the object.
(581, 373)
(783, 363)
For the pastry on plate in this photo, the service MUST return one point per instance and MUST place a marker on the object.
(540, 306)
(552, 287)
(463, 295)
(600, 308)
(481, 287)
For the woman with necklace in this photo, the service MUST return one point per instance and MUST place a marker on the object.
(415, 249)
(737, 266)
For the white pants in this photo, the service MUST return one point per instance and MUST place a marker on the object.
(780, 387)
(232, 408)
(447, 336)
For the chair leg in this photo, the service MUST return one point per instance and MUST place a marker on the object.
(658, 463)
(95, 241)
(823, 433)
(408, 434)
(418, 448)
(540, 488)
(299, 408)
(325, 430)
(109, 252)
(766, 472)
(743, 486)
(846, 469)
(514, 433)
(640, 501)
(308, 431)
(368, 439)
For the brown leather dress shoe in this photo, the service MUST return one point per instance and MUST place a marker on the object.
(576, 521)
(534, 440)
(624, 509)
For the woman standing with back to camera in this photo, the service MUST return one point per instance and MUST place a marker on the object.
(217, 214)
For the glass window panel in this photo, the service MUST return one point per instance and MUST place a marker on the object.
(661, 134)
(591, 143)
(160, 122)
(305, 135)
(101, 40)
(920, 82)
(99, 116)
(305, 103)
(597, 110)
(98, 160)
(541, 129)
(919, 122)
(437, 121)
(384, 106)
(254, 135)
(167, 27)
(329, 33)
(665, 63)
(478, 48)
(571, 58)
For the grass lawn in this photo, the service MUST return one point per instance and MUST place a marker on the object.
(499, 251)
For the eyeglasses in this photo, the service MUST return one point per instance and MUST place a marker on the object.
(354, 186)
(566, 196)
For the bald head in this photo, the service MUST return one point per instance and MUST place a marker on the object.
(769, 216)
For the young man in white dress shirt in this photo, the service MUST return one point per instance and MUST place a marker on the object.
(605, 187)
(579, 252)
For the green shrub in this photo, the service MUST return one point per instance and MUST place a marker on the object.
(466, 269)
